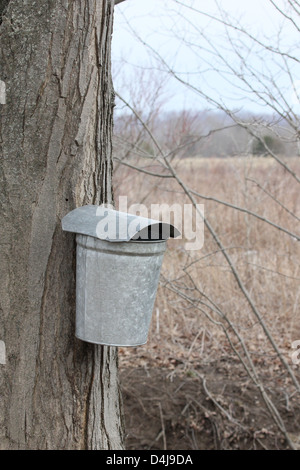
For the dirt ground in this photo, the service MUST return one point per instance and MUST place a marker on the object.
(211, 407)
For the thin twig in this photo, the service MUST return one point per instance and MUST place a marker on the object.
(162, 426)
(273, 197)
(247, 211)
(142, 170)
(217, 404)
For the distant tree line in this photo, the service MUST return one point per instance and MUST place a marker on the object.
(204, 134)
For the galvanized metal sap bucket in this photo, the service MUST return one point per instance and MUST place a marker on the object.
(119, 258)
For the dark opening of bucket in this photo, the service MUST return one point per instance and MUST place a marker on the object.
(155, 232)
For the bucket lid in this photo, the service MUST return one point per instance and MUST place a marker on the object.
(114, 226)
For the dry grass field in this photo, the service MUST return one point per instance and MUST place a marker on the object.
(202, 379)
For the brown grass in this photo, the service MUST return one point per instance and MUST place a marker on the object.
(183, 338)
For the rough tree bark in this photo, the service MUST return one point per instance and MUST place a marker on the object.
(55, 133)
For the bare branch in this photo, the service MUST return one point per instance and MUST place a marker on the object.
(285, 15)
(247, 211)
(262, 84)
(240, 30)
(218, 105)
(274, 198)
(238, 279)
(143, 170)
(249, 367)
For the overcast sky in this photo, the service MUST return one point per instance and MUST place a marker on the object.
(163, 24)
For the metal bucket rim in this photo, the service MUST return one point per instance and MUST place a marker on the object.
(131, 241)
(110, 344)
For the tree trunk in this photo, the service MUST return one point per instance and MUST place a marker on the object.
(57, 392)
